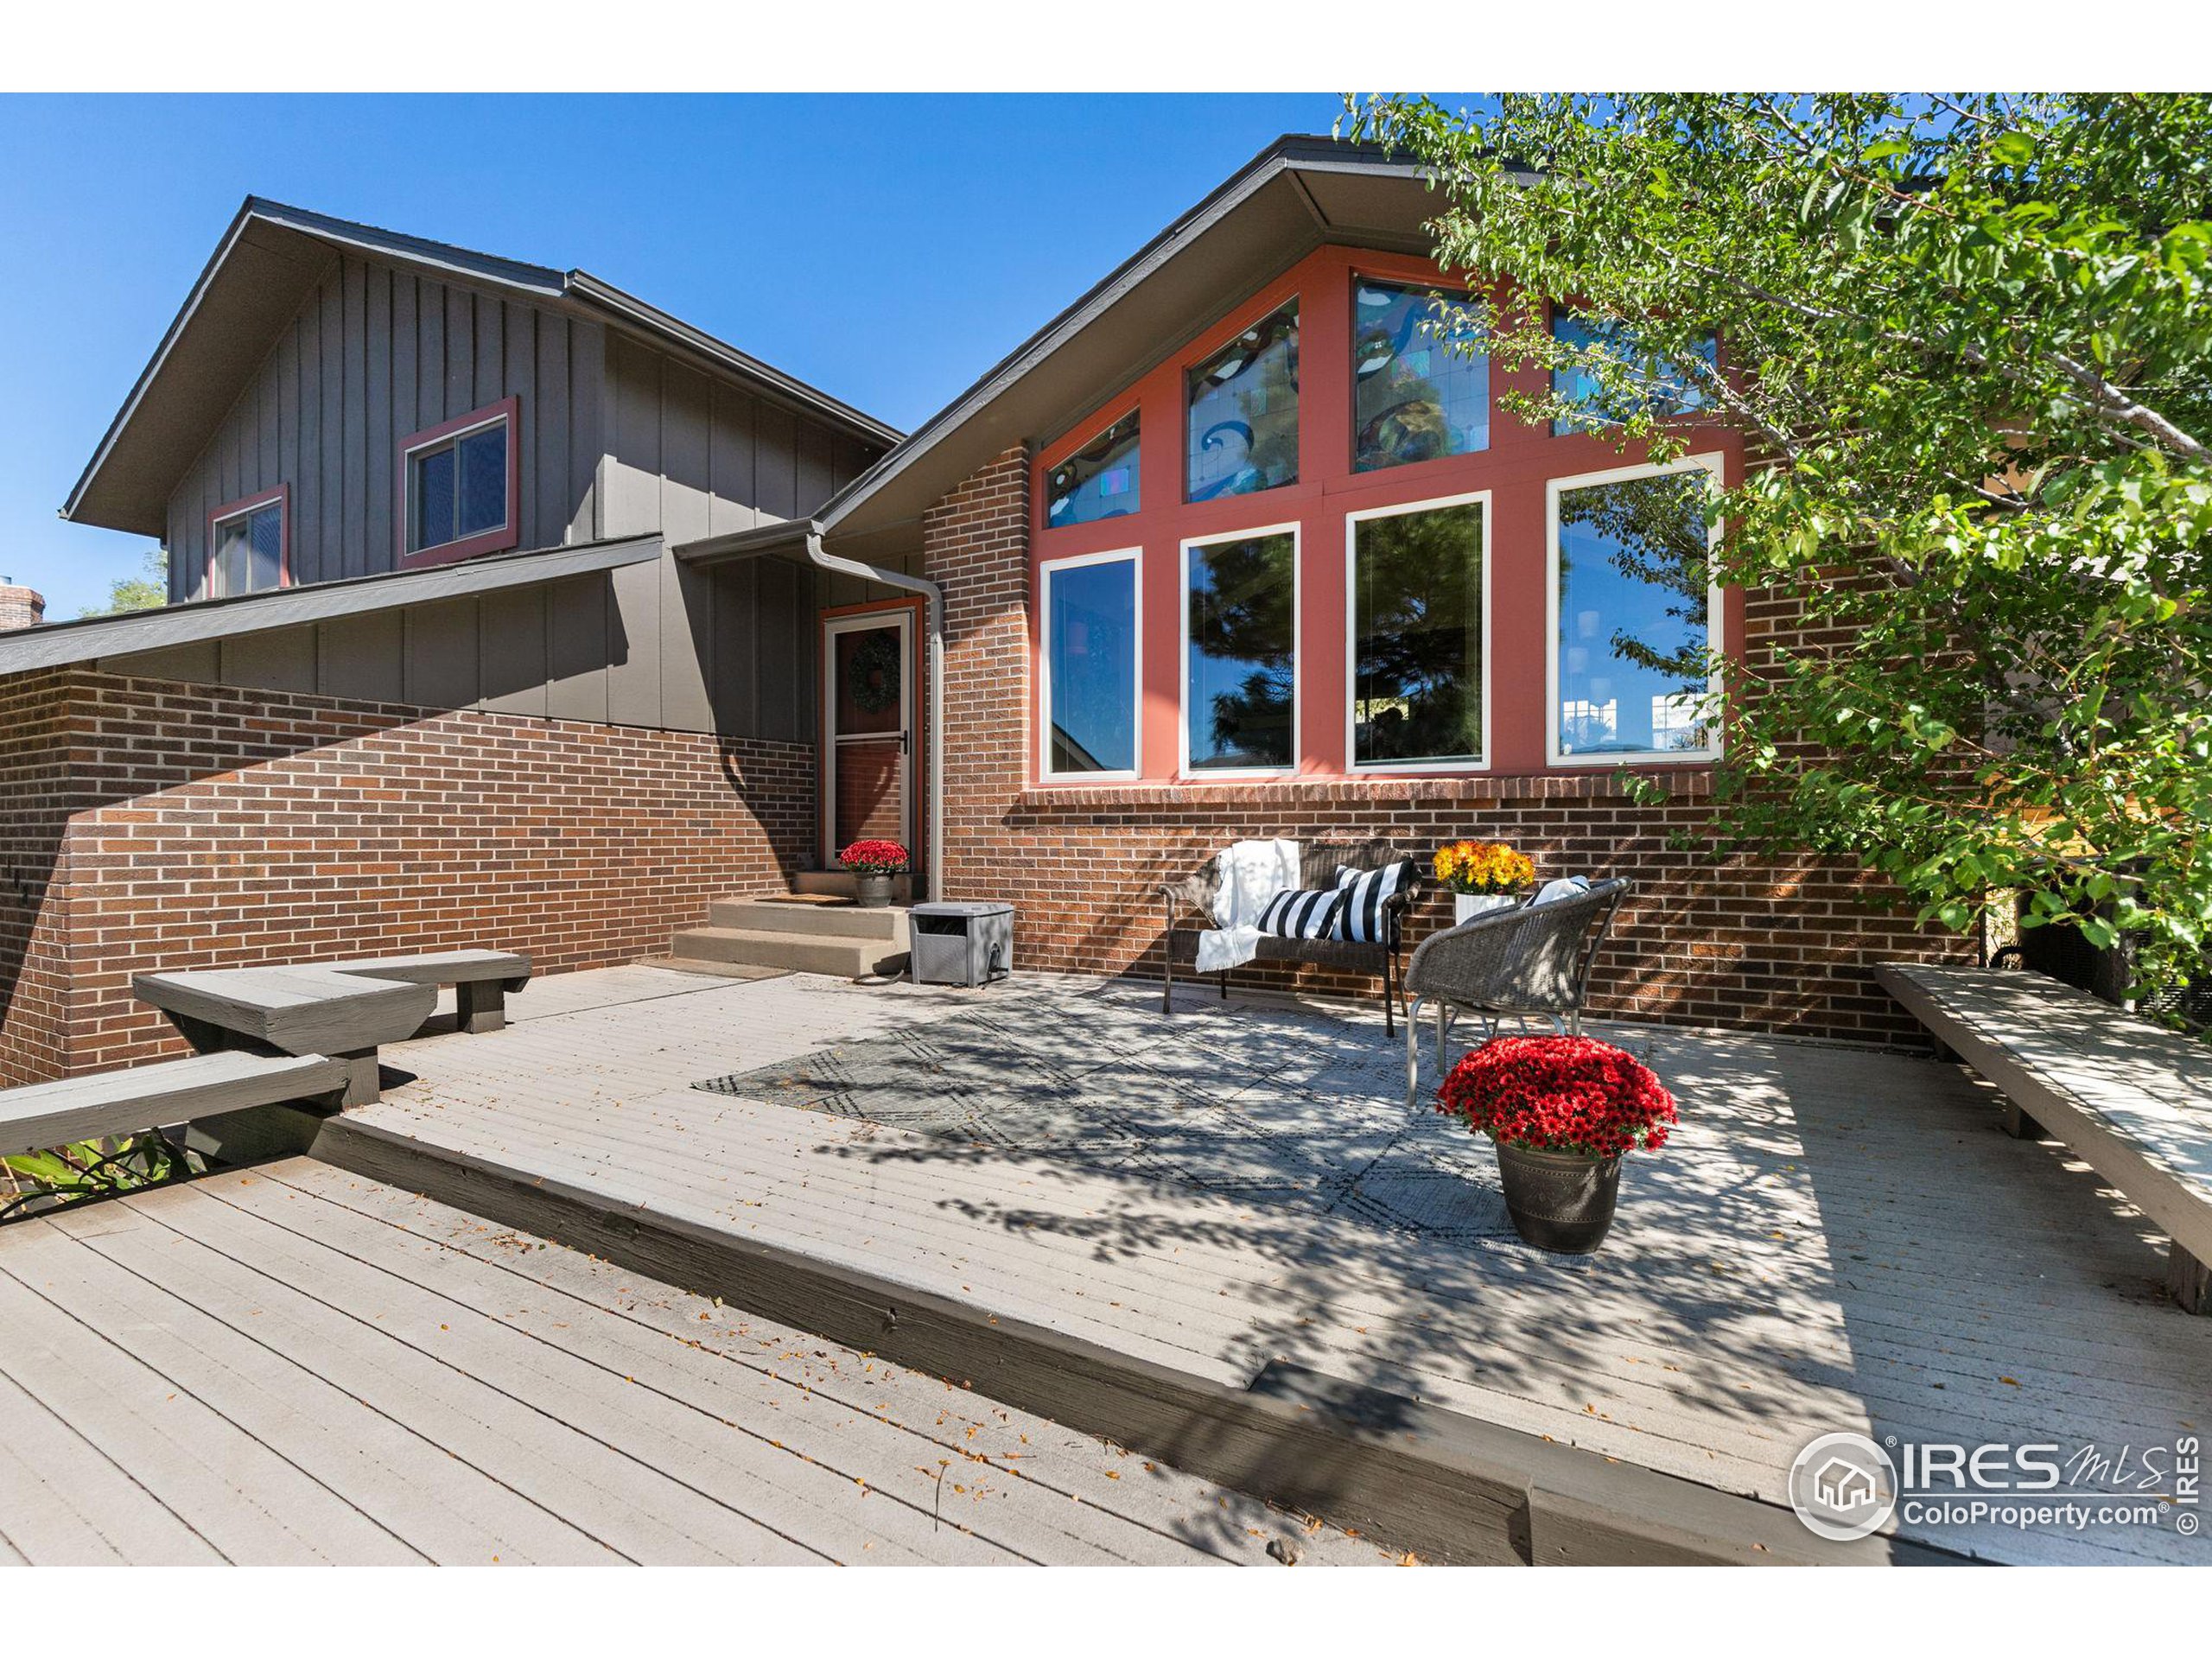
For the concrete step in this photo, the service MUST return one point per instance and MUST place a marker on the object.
(806, 953)
(823, 920)
(842, 884)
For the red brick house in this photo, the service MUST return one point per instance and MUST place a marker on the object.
(508, 610)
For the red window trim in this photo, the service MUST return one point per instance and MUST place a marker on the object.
(282, 497)
(1515, 468)
(509, 534)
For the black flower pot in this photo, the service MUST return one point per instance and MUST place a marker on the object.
(1559, 1201)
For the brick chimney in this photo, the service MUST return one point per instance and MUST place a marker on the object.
(20, 607)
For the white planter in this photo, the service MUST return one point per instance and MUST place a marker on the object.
(1465, 907)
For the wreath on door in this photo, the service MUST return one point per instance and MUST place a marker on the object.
(872, 672)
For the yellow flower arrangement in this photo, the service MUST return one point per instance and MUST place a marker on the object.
(1483, 867)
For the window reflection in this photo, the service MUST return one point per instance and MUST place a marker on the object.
(1090, 623)
(1633, 616)
(1417, 392)
(1098, 481)
(1244, 412)
(1417, 631)
(1668, 388)
(1241, 667)
(249, 552)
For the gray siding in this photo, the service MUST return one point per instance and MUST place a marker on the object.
(729, 649)
(374, 355)
(689, 456)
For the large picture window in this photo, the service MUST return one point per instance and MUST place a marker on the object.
(246, 545)
(1632, 613)
(1092, 666)
(1244, 411)
(1416, 603)
(1239, 669)
(1665, 387)
(1418, 392)
(1098, 481)
(460, 486)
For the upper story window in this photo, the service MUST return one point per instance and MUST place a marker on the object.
(1632, 610)
(1098, 481)
(461, 487)
(1668, 388)
(1240, 652)
(1419, 391)
(1092, 658)
(1243, 404)
(248, 545)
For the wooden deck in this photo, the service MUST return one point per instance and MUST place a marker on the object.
(1836, 1239)
(291, 1365)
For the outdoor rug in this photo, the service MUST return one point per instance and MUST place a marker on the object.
(1269, 1107)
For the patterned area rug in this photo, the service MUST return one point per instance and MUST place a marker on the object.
(1269, 1107)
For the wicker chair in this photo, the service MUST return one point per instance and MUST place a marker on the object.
(1318, 863)
(1532, 960)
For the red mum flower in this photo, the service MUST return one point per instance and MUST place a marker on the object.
(1560, 1094)
(875, 858)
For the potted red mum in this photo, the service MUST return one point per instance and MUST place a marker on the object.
(872, 864)
(1562, 1111)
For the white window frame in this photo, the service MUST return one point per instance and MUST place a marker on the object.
(1353, 765)
(1046, 570)
(1715, 615)
(1214, 774)
(277, 500)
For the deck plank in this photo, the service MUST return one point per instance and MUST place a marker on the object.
(64, 1503)
(476, 1394)
(1800, 1260)
(94, 1354)
(843, 1411)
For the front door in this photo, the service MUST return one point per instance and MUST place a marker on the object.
(867, 774)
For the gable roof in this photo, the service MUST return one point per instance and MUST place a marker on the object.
(266, 264)
(1302, 191)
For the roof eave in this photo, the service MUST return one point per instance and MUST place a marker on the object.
(1298, 152)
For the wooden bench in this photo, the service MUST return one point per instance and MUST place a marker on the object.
(480, 979)
(293, 1011)
(2130, 1099)
(47, 1115)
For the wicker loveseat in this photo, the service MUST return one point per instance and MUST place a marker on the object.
(1190, 912)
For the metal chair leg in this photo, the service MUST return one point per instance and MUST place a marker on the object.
(1413, 1054)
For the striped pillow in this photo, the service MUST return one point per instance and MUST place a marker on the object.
(1364, 893)
(1299, 913)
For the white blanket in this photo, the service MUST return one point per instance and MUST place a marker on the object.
(1252, 872)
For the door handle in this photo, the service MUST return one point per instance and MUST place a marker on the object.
(903, 736)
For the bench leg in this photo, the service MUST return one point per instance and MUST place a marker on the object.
(480, 1005)
(204, 1037)
(2020, 1126)
(364, 1085)
(2190, 1280)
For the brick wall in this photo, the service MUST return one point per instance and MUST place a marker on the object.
(1732, 941)
(153, 824)
(20, 607)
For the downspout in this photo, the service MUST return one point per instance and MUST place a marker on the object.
(933, 729)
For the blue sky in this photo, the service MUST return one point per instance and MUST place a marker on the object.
(887, 249)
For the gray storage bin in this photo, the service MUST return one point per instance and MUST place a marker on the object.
(960, 943)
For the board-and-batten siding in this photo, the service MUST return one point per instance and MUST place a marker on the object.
(738, 659)
(373, 354)
(618, 439)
